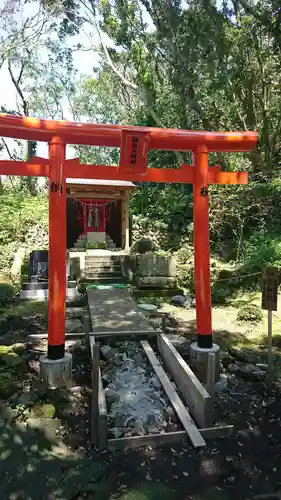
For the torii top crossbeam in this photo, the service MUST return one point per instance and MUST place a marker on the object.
(134, 143)
(110, 135)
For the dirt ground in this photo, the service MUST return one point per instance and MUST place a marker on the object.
(38, 464)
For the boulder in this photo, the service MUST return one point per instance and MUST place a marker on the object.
(178, 300)
(50, 427)
(4, 349)
(226, 360)
(25, 398)
(44, 411)
(18, 348)
(247, 371)
(111, 396)
(6, 413)
(107, 351)
(237, 353)
(8, 387)
(11, 358)
(221, 385)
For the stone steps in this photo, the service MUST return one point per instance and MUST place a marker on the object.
(104, 269)
(93, 275)
(111, 266)
(103, 279)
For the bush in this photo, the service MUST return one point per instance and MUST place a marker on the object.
(7, 293)
(185, 278)
(184, 254)
(143, 245)
(250, 313)
(24, 223)
(262, 250)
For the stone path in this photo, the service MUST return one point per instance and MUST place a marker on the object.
(114, 310)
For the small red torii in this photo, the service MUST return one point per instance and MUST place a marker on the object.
(134, 143)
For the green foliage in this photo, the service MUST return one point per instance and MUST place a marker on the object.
(143, 245)
(44, 410)
(263, 249)
(7, 293)
(7, 384)
(184, 254)
(24, 222)
(186, 278)
(250, 313)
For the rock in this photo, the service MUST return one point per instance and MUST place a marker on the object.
(178, 300)
(107, 351)
(238, 354)
(117, 431)
(6, 413)
(153, 429)
(8, 387)
(262, 366)
(233, 368)
(169, 414)
(4, 349)
(148, 308)
(138, 359)
(12, 359)
(226, 360)
(73, 325)
(111, 396)
(44, 411)
(247, 371)
(34, 366)
(25, 398)
(155, 382)
(230, 479)
(171, 427)
(50, 427)
(117, 360)
(221, 385)
(18, 348)
(77, 347)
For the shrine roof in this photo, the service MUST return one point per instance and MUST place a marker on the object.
(101, 182)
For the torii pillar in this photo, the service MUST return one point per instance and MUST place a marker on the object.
(199, 351)
(56, 366)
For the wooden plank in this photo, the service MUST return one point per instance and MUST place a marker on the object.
(175, 400)
(192, 391)
(120, 333)
(221, 431)
(149, 439)
(134, 442)
(99, 427)
(211, 373)
(95, 355)
(44, 336)
(102, 423)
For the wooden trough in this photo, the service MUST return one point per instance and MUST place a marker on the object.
(193, 408)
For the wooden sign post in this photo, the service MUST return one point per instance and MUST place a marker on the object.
(270, 277)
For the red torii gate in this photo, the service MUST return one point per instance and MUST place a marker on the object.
(134, 143)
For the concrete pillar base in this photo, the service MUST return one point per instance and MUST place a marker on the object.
(56, 373)
(199, 361)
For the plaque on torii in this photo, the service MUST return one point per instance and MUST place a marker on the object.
(134, 143)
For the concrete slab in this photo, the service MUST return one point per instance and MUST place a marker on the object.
(114, 310)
